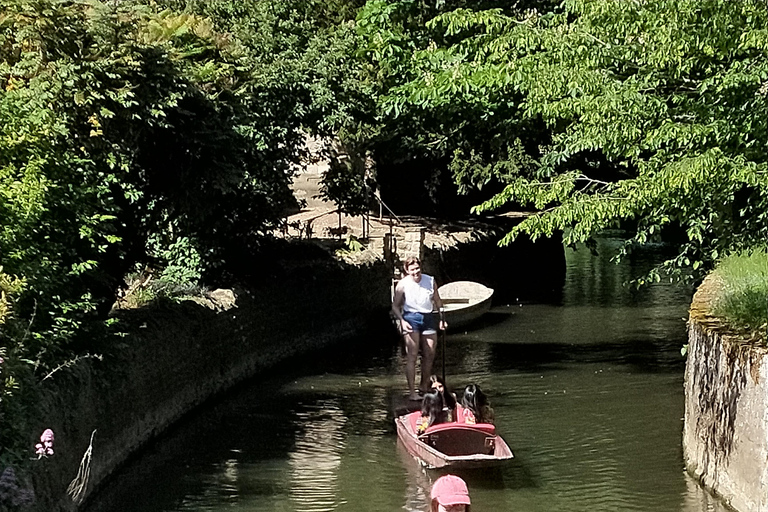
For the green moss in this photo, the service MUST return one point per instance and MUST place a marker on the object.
(741, 300)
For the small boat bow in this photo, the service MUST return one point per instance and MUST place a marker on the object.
(464, 301)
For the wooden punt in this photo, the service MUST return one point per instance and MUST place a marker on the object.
(464, 301)
(454, 445)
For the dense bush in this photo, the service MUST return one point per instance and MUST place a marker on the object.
(130, 134)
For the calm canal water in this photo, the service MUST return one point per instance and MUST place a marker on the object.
(587, 391)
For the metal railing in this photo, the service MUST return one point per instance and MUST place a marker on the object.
(306, 229)
(390, 242)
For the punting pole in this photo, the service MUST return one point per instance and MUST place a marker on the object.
(442, 331)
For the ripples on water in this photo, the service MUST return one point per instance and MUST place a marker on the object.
(587, 392)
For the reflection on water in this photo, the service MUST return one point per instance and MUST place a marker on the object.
(316, 458)
(587, 392)
(418, 481)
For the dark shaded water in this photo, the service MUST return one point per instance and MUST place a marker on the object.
(587, 392)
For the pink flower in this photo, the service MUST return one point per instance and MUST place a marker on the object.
(45, 447)
(47, 436)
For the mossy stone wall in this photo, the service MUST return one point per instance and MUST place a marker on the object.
(176, 356)
(725, 437)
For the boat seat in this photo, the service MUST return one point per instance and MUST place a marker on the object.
(456, 439)
(487, 428)
(455, 300)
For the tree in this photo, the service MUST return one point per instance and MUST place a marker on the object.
(404, 44)
(128, 134)
(654, 116)
(306, 50)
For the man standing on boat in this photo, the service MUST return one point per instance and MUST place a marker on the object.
(415, 300)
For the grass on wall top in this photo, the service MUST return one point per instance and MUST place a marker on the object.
(741, 300)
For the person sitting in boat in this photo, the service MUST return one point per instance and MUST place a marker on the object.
(449, 494)
(476, 406)
(449, 398)
(432, 412)
(415, 298)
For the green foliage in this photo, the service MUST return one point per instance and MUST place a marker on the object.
(123, 122)
(10, 287)
(603, 114)
(140, 297)
(428, 115)
(129, 133)
(742, 294)
(184, 263)
(351, 246)
(304, 50)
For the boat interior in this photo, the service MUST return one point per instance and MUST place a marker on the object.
(457, 442)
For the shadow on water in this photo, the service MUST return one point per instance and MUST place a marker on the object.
(489, 319)
(638, 356)
(257, 424)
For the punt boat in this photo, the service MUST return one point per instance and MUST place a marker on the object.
(454, 445)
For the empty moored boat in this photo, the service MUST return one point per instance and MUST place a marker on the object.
(464, 301)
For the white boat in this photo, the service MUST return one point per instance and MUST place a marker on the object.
(464, 301)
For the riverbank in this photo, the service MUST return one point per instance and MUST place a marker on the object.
(175, 356)
(725, 436)
(587, 390)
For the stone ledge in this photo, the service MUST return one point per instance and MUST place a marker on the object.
(725, 434)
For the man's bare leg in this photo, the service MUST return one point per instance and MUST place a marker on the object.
(411, 354)
(428, 349)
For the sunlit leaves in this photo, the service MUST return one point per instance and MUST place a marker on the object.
(655, 112)
(121, 120)
(10, 287)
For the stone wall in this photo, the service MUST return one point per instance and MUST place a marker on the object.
(176, 356)
(725, 436)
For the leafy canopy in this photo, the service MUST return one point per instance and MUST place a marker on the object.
(653, 114)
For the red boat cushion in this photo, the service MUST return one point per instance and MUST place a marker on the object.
(456, 439)
(486, 428)
(413, 421)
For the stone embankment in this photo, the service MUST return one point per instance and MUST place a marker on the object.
(725, 437)
(175, 356)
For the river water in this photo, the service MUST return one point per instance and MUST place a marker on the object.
(587, 392)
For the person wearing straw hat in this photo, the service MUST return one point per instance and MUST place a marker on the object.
(449, 494)
(415, 298)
